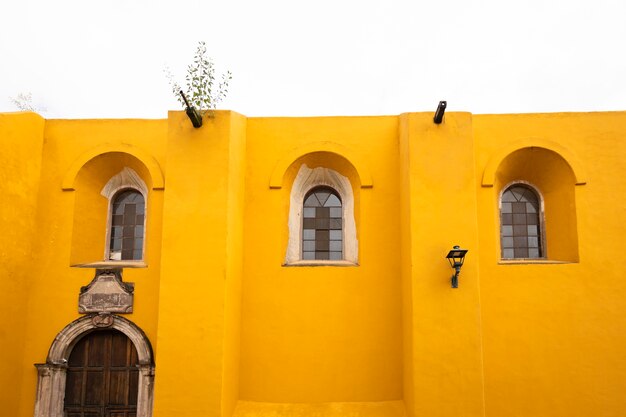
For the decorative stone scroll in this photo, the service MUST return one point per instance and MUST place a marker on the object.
(107, 293)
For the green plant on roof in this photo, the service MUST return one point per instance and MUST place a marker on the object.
(203, 91)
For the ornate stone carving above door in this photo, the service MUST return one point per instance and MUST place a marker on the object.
(107, 293)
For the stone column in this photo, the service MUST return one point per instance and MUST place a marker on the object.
(145, 389)
(50, 390)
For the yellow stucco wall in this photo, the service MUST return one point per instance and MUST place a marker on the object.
(321, 334)
(52, 299)
(235, 332)
(21, 138)
(554, 334)
(444, 331)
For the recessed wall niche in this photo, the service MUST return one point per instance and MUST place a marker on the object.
(553, 177)
(91, 207)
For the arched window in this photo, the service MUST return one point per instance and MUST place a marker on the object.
(521, 220)
(322, 229)
(127, 226)
(322, 226)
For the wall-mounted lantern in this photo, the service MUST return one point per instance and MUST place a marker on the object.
(456, 257)
(192, 112)
(441, 109)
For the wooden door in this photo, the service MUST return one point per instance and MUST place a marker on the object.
(102, 377)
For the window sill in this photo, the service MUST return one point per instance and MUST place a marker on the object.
(112, 264)
(531, 261)
(321, 263)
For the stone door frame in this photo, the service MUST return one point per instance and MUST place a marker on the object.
(52, 374)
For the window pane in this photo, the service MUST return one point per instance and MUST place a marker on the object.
(519, 207)
(336, 256)
(508, 197)
(520, 241)
(333, 201)
(335, 224)
(126, 206)
(321, 245)
(322, 196)
(517, 193)
(322, 212)
(130, 210)
(335, 212)
(322, 234)
(311, 201)
(336, 245)
(519, 219)
(322, 223)
(521, 252)
(520, 229)
(529, 196)
(322, 255)
(116, 232)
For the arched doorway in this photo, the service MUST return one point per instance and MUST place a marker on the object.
(102, 376)
(71, 354)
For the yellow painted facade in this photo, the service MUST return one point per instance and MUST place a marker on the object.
(235, 331)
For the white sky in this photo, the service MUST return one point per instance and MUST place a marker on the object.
(105, 59)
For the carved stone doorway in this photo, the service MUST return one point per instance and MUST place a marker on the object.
(61, 368)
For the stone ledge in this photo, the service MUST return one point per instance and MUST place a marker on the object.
(320, 263)
(112, 264)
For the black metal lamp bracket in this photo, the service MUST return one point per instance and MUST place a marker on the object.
(192, 112)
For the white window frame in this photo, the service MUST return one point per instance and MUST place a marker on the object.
(305, 181)
(126, 179)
